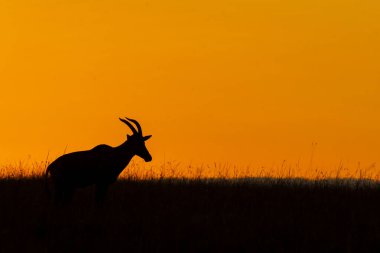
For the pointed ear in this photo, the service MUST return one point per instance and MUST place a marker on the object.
(147, 137)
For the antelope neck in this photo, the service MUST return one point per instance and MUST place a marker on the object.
(124, 153)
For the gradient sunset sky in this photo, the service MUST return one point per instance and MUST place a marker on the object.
(238, 81)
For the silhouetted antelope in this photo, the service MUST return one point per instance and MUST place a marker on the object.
(99, 166)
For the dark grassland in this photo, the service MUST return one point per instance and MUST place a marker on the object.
(172, 215)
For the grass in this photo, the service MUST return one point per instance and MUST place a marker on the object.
(173, 169)
(177, 214)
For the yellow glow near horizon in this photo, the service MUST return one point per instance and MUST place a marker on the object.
(240, 82)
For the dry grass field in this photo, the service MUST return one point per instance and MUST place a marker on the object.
(174, 214)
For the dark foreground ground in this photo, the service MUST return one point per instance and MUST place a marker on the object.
(259, 215)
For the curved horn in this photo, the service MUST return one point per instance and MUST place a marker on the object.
(137, 124)
(129, 124)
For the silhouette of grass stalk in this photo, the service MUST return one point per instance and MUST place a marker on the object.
(171, 169)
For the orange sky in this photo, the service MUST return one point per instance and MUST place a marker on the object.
(238, 81)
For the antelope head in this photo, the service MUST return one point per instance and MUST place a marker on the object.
(137, 140)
